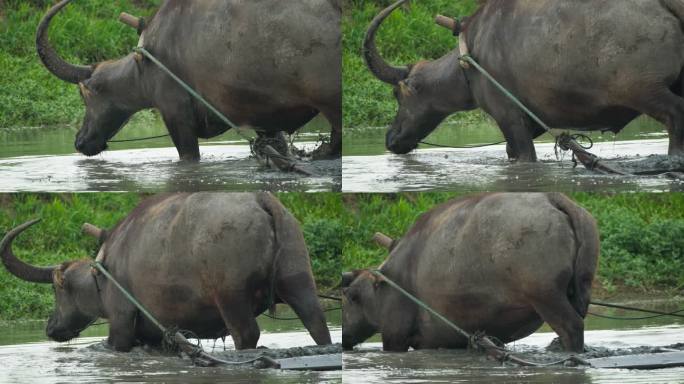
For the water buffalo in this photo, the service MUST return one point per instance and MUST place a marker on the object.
(269, 64)
(208, 263)
(585, 65)
(499, 263)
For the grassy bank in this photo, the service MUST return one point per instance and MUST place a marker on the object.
(88, 32)
(408, 35)
(85, 32)
(642, 235)
(58, 238)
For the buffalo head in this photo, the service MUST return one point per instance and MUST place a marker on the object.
(427, 92)
(360, 307)
(107, 89)
(77, 300)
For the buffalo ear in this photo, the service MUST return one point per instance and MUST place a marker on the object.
(347, 279)
(58, 276)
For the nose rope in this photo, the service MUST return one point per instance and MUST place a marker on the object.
(139, 139)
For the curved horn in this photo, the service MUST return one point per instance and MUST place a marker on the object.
(380, 68)
(17, 267)
(55, 64)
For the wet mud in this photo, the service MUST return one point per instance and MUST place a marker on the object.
(43, 159)
(488, 169)
(223, 167)
(90, 360)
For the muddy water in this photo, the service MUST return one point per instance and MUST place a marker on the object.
(44, 159)
(369, 364)
(26, 357)
(367, 166)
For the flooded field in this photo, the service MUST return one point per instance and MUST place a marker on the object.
(368, 167)
(26, 357)
(44, 159)
(368, 364)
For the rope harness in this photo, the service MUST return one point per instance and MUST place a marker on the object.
(564, 141)
(270, 151)
(477, 341)
(175, 339)
(492, 346)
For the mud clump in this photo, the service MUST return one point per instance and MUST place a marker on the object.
(672, 167)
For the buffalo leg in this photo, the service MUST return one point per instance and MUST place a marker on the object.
(299, 292)
(122, 330)
(518, 130)
(667, 108)
(333, 113)
(562, 317)
(180, 123)
(334, 117)
(398, 315)
(237, 315)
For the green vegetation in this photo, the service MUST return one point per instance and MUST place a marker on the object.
(408, 36)
(88, 32)
(642, 235)
(58, 238)
(85, 32)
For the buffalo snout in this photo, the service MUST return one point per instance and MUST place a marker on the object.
(397, 144)
(89, 146)
(58, 333)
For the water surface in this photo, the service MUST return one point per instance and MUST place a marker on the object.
(368, 167)
(368, 364)
(43, 159)
(26, 357)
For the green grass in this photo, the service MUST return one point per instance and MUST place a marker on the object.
(87, 31)
(407, 36)
(58, 238)
(642, 235)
